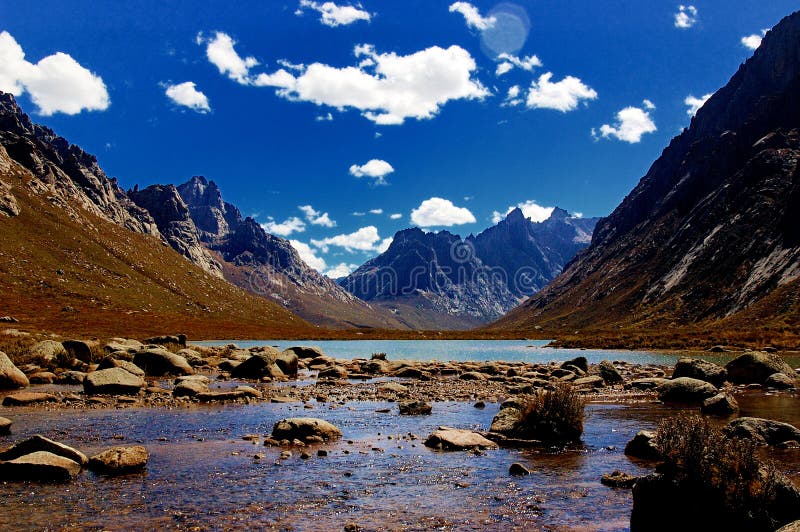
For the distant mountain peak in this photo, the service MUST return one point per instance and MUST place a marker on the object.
(559, 214)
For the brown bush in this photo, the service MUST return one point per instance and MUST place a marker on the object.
(552, 415)
(18, 348)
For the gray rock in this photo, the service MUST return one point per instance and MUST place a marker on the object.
(119, 460)
(189, 388)
(618, 479)
(609, 373)
(649, 383)
(305, 351)
(686, 390)
(11, 376)
(177, 339)
(643, 446)
(592, 381)
(472, 376)
(762, 431)
(756, 368)
(579, 362)
(48, 352)
(333, 372)
(130, 367)
(80, 349)
(722, 404)
(112, 381)
(158, 361)
(260, 364)
(415, 408)
(518, 470)
(288, 362)
(305, 429)
(122, 344)
(506, 419)
(40, 466)
(71, 377)
(450, 439)
(781, 381)
(696, 368)
(40, 443)
(392, 388)
(192, 357)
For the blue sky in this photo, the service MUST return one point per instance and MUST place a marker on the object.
(161, 91)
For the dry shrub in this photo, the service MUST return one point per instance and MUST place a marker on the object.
(18, 348)
(553, 415)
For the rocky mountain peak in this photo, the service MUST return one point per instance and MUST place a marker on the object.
(515, 216)
(214, 217)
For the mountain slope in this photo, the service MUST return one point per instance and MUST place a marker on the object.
(711, 234)
(78, 257)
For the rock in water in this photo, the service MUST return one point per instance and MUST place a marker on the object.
(643, 446)
(757, 368)
(119, 460)
(40, 466)
(10, 376)
(5, 426)
(781, 381)
(305, 351)
(686, 390)
(261, 364)
(112, 381)
(618, 479)
(39, 443)
(305, 429)
(721, 404)
(701, 370)
(28, 398)
(609, 373)
(288, 362)
(415, 408)
(449, 439)
(518, 470)
(763, 431)
(157, 362)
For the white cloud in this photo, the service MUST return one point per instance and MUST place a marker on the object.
(316, 217)
(695, 103)
(376, 211)
(440, 212)
(395, 216)
(387, 89)
(631, 124)
(365, 239)
(752, 42)
(577, 215)
(221, 53)
(472, 16)
(686, 17)
(324, 118)
(284, 228)
(648, 104)
(564, 95)
(529, 208)
(358, 213)
(308, 255)
(334, 15)
(187, 95)
(56, 84)
(512, 98)
(376, 169)
(510, 61)
(341, 270)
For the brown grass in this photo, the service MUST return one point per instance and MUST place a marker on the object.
(553, 415)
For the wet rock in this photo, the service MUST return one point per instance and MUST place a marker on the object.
(618, 479)
(700, 369)
(130, 367)
(579, 362)
(228, 395)
(415, 408)
(593, 381)
(518, 470)
(29, 398)
(157, 362)
(332, 373)
(288, 362)
(42, 377)
(643, 446)
(260, 364)
(249, 391)
(82, 350)
(757, 367)
(479, 404)
(112, 381)
(40, 443)
(305, 352)
(686, 390)
(48, 352)
(648, 383)
(507, 418)
(71, 377)
(722, 404)
(450, 439)
(40, 466)
(305, 429)
(192, 357)
(609, 373)
(762, 431)
(119, 460)
(5, 426)
(189, 388)
(392, 388)
(776, 381)
(11, 376)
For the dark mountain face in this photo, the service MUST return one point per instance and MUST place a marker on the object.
(711, 230)
(473, 280)
(212, 216)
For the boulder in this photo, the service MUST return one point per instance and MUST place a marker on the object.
(48, 352)
(648, 383)
(83, 351)
(696, 368)
(305, 429)
(130, 367)
(189, 388)
(780, 381)
(643, 446)
(410, 372)
(158, 361)
(40, 466)
(42, 377)
(260, 364)
(305, 351)
(579, 362)
(506, 419)
(122, 344)
(112, 381)
(333, 372)
(592, 381)
(5, 426)
(119, 460)
(177, 339)
(618, 479)
(288, 362)
(11, 376)
(791, 527)
(686, 390)
(40, 443)
(71, 377)
(392, 388)
(28, 398)
(722, 404)
(415, 408)
(757, 367)
(450, 439)
(194, 358)
(609, 373)
(518, 470)
(472, 376)
(762, 431)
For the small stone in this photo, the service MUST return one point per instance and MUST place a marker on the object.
(119, 460)
(518, 469)
(618, 479)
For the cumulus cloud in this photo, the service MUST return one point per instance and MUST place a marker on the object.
(752, 42)
(509, 61)
(564, 95)
(440, 212)
(186, 94)
(387, 88)
(631, 124)
(472, 16)
(376, 211)
(221, 53)
(56, 84)
(376, 169)
(695, 104)
(686, 17)
(308, 255)
(529, 208)
(284, 228)
(395, 216)
(328, 117)
(334, 15)
(365, 239)
(341, 270)
(512, 97)
(316, 217)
